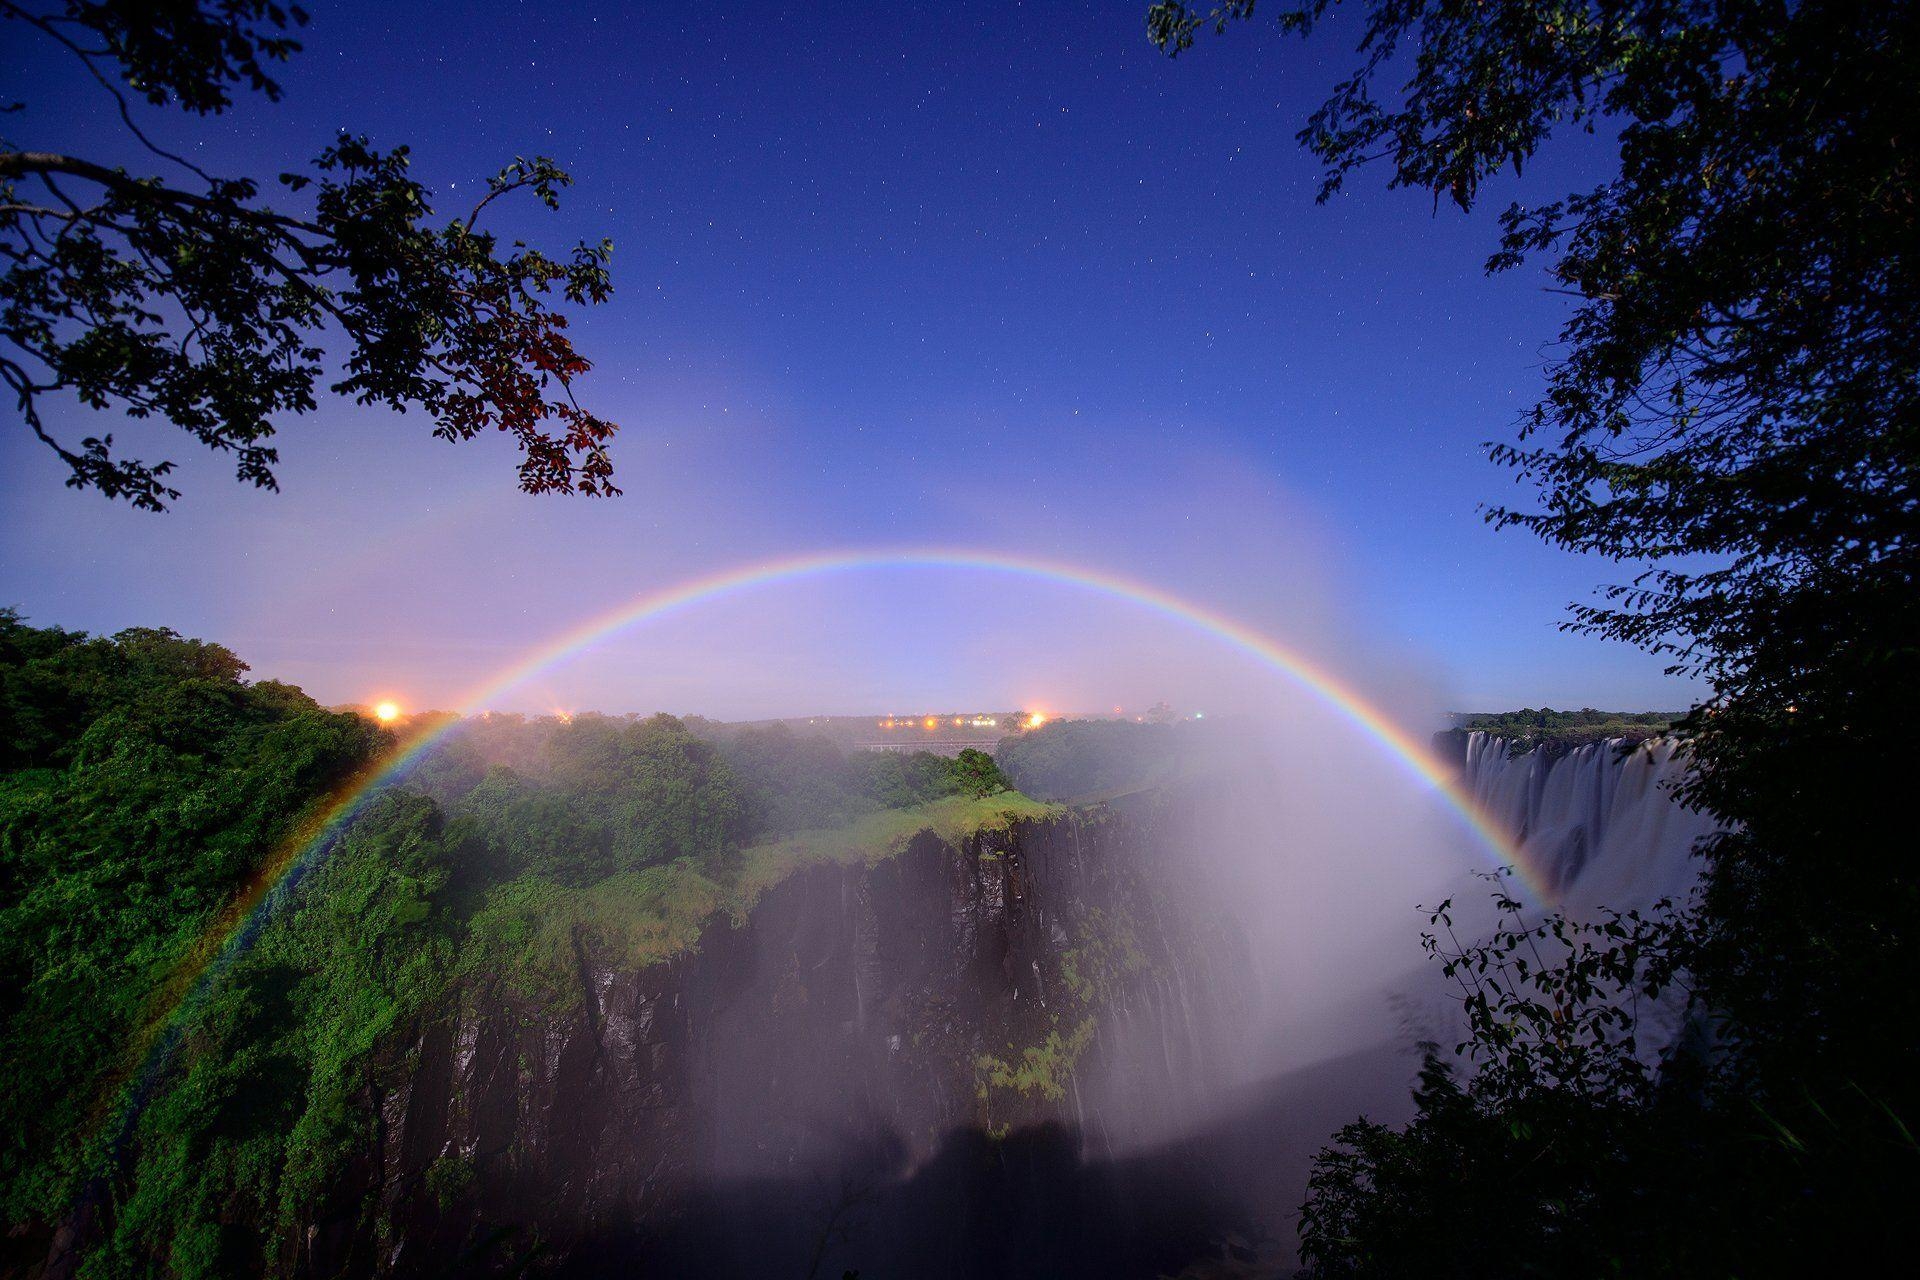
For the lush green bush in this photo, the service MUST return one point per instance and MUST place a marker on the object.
(977, 774)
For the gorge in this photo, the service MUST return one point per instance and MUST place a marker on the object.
(800, 1091)
(681, 997)
(1018, 1053)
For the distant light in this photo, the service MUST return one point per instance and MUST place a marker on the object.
(564, 717)
(1037, 719)
(1199, 715)
(931, 722)
(386, 712)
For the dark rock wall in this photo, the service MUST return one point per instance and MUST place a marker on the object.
(813, 1062)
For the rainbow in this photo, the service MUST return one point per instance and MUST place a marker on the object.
(238, 925)
(1325, 685)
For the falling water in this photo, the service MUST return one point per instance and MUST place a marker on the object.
(1600, 821)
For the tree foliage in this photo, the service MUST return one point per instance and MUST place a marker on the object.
(1559, 731)
(188, 297)
(977, 775)
(1734, 404)
(270, 1094)
(757, 782)
(803, 781)
(144, 782)
(1076, 759)
(1553, 1132)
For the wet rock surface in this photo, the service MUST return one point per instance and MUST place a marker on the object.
(972, 1047)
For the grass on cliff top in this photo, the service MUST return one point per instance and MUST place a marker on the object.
(537, 934)
(879, 836)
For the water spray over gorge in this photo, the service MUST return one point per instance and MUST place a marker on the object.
(743, 999)
(1034, 1041)
(937, 716)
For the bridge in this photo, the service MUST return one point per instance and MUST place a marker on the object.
(943, 744)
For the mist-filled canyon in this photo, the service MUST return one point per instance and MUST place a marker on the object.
(1165, 641)
(675, 996)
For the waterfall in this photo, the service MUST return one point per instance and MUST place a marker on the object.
(1602, 827)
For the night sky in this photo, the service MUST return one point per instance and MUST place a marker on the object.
(980, 275)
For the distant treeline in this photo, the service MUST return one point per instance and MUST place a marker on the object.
(1563, 730)
(1098, 759)
(734, 784)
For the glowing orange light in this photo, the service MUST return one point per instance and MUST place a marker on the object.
(564, 717)
(931, 722)
(386, 712)
(1037, 719)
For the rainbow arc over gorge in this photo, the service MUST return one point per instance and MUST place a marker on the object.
(237, 926)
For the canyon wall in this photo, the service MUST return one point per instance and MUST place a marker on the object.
(1014, 1055)
(782, 1097)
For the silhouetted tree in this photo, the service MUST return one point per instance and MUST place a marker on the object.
(188, 297)
(1735, 401)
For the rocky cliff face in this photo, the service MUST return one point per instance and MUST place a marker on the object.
(782, 1097)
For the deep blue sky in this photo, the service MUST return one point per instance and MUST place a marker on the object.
(989, 274)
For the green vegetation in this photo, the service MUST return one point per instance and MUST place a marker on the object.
(977, 775)
(881, 835)
(1564, 730)
(270, 1093)
(1733, 406)
(1085, 759)
(144, 783)
(531, 932)
(1043, 1070)
(1105, 954)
